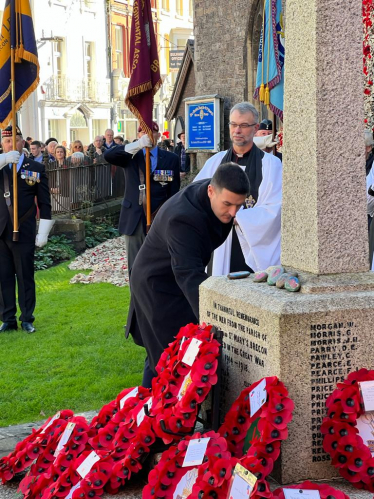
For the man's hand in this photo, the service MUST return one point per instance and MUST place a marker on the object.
(134, 147)
(45, 227)
(145, 141)
(8, 158)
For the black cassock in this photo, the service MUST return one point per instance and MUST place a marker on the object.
(170, 266)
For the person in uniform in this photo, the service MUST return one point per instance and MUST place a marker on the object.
(255, 242)
(17, 258)
(165, 182)
(170, 265)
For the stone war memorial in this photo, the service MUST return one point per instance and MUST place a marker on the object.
(311, 340)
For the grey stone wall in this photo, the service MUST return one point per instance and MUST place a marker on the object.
(221, 59)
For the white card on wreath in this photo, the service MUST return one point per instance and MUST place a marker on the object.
(70, 495)
(301, 494)
(56, 416)
(242, 483)
(141, 413)
(257, 397)
(64, 438)
(367, 392)
(133, 393)
(87, 464)
(195, 452)
(191, 352)
(365, 426)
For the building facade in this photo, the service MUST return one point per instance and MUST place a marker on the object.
(73, 100)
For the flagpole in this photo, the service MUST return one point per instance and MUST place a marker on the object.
(14, 132)
(148, 185)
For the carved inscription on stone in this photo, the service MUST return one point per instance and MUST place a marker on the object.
(243, 345)
(332, 347)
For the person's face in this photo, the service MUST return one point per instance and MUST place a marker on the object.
(109, 136)
(242, 137)
(8, 144)
(225, 204)
(118, 141)
(78, 147)
(35, 150)
(59, 153)
(183, 139)
(263, 133)
(52, 147)
(98, 142)
(29, 141)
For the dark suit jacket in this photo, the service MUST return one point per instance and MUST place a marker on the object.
(26, 199)
(132, 211)
(178, 152)
(170, 266)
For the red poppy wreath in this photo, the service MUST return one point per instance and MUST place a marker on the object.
(341, 439)
(325, 491)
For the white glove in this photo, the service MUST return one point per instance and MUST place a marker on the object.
(265, 141)
(45, 227)
(9, 157)
(134, 147)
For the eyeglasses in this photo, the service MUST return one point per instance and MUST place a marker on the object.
(243, 125)
(78, 147)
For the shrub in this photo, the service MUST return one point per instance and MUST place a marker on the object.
(99, 231)
(58, 249)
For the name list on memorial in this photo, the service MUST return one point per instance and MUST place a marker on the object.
(332, 348)
(244, 346)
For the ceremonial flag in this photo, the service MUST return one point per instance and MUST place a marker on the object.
(270, 69)
(17, 32)
(145, 77)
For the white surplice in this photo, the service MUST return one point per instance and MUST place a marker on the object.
(259, 229)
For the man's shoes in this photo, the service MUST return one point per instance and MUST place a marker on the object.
(8, 326)
(28, 327)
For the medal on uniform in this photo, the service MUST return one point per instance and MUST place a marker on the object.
(163, 176)
(31, 178)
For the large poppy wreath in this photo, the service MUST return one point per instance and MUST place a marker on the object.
(169, 475)
(39, 442)
(258, 437)
(325, 491)
(349, 454)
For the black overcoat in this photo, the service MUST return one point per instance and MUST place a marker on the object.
(131, 210)
(170, 266)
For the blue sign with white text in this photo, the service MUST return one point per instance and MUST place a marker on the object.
(201, 125)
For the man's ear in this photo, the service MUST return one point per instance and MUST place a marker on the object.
(210, 191)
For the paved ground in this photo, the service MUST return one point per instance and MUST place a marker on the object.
(11, 435)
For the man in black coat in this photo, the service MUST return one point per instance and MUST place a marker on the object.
(170, 265)
(165, 182)
(180, 151)
(17, 258)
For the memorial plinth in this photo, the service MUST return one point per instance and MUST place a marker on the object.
(310, 340)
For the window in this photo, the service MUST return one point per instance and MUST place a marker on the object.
(179, 7)
(119, 47)
(165, 5)
(88, 59)
(190, 8)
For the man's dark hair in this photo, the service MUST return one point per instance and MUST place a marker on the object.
(51, 139)
(231, 177)
(36, 143)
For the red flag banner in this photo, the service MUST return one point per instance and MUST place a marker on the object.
(145, 77)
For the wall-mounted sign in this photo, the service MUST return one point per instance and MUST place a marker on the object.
(175, 59)
(203, 123)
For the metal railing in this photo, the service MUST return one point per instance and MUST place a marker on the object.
(79, 185)
(65, 88)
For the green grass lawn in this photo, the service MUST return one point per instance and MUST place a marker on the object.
(78, 359)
